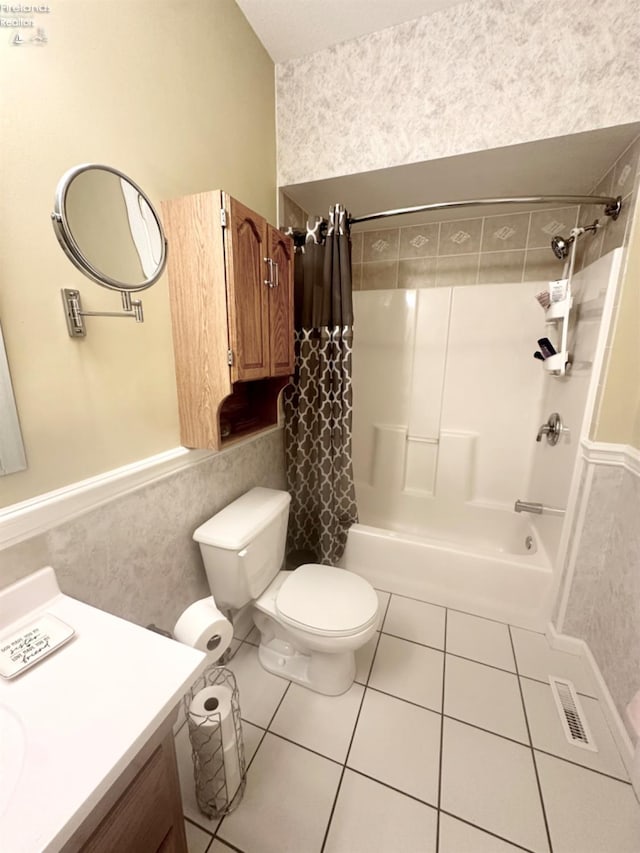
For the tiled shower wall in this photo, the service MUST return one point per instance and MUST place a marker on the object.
(511, 247)
(506, 248)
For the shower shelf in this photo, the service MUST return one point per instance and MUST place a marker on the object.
(557, 314)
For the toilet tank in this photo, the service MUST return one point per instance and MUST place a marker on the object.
(243, 545)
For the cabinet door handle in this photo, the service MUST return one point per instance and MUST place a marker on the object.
(277, 278)
(269, 281)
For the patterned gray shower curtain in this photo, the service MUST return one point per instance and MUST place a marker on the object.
(318, 405)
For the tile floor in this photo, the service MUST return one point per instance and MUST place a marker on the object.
(449, 741)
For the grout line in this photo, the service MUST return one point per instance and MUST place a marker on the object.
(227, 844)
(582, 766)
(265, 731)
(392, 788)
(440, 757)
(533, 755)
(487, 831)
(307, 748)
(353, 733)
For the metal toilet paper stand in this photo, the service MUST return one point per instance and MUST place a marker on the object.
(219, 768)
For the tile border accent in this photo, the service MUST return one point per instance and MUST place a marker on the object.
(36, 515)
(605, 453)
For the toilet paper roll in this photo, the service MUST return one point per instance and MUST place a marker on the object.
(211, 708)
(205, 628)
(210, 792)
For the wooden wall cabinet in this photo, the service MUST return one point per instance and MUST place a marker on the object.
(231, 293)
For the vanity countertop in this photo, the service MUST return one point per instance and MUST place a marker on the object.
(82, 713)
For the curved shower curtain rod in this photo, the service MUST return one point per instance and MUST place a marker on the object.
(612, 206)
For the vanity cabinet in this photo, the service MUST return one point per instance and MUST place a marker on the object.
(142, 812)
(231, 293)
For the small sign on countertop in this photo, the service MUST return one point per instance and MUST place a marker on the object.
(31, 644)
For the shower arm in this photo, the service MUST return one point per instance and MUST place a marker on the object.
(612, 206)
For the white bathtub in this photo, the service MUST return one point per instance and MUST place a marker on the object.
(477, 561)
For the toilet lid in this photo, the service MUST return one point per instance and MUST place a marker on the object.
(326, 600)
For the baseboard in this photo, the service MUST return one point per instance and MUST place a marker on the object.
(573, 645)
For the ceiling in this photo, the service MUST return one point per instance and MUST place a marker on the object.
(292, 28)
(566, 165)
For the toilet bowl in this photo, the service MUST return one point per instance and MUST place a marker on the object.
(311, 620)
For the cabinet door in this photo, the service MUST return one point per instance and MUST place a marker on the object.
(281, 304)
(247, 294)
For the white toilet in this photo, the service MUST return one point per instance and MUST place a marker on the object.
(312, 619)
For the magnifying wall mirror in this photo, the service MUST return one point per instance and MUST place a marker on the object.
(110, 231)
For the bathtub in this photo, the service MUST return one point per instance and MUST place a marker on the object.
(484, 561)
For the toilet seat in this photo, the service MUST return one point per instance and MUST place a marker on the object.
(326, 601)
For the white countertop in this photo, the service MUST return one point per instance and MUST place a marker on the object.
(85, 711)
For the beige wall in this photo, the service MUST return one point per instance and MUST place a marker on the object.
(618, 419)
(180, 96)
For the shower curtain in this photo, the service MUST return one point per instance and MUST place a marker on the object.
(318, 405)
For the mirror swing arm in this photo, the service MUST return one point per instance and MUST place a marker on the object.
(74, 314)
(137, 218)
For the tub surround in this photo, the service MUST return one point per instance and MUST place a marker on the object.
(99, 713)
(133, 556)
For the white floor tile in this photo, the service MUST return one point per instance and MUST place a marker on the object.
(399, 744)
(587, 812)
(322, 723)
(409, 671)
(287, 801)
(383, 599)
(368, 816)
(364, 659)
(260, 691)
(491, 782)
(251, 737)
(537, 659)
(479, 639)
(487, 697)
(415, 620)
(459, 837)
(197, 839)
(547, 733)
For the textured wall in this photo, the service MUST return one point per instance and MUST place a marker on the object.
(181, 97)
(480, 75)
(604, 602)
(134, 556)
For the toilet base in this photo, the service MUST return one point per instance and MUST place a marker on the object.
(330, 674)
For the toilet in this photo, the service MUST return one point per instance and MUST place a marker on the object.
(311, 620)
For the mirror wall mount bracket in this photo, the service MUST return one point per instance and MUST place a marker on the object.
(75, 315)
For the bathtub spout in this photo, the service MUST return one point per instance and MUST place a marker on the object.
(528, 506)
(536, 508)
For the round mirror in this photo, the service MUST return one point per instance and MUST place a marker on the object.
(108, 228)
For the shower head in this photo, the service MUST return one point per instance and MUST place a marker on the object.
(560, 246)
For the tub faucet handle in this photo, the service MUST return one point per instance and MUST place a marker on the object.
(551, 429)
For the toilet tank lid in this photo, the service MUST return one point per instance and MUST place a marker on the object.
(238, 523)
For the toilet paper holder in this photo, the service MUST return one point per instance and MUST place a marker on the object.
(212, 711)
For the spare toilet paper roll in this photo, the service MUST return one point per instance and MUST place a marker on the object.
(205, 628)
(204, 709)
